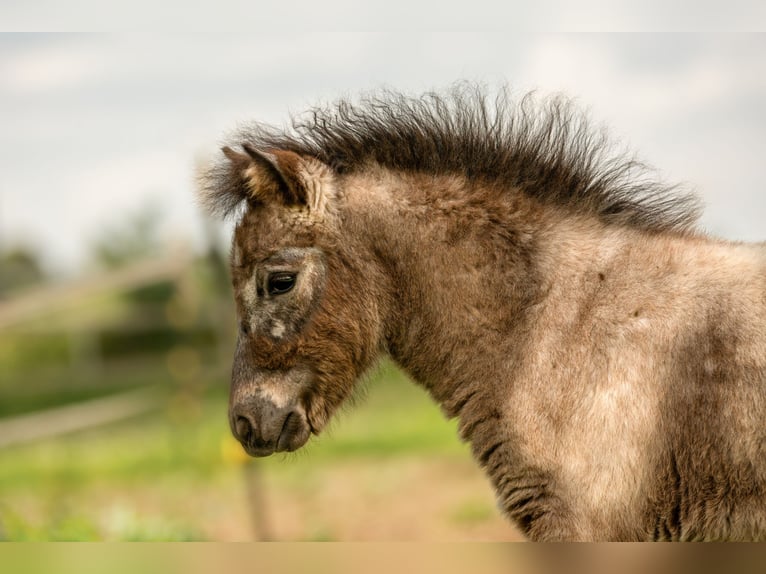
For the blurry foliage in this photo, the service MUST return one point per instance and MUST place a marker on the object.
(117, 343)
(160, 292)
(117, 340)
(26, 350)
(133, 238)
(19, 268)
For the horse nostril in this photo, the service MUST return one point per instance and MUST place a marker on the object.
(243, 429)
(295, 432)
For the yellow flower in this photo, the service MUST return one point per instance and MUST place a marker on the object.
(232, 452)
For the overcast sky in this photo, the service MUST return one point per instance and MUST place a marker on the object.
(94, 126)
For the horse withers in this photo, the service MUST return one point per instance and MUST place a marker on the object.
(606, 360)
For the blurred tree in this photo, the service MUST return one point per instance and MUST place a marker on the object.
(136, 238)
(19, 268)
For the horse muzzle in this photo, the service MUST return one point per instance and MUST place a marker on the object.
(264, 428)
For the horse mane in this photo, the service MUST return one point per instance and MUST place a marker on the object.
(542, 146)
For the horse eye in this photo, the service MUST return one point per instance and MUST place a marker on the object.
(280, 283)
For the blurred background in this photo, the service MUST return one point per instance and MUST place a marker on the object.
(116, 319)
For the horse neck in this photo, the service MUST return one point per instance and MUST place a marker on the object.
(461, 272)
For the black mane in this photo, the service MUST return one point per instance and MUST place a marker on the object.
(544, 147)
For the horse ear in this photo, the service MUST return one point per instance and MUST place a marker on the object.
(270, 175)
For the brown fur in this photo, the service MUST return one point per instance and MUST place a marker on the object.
(606, 362)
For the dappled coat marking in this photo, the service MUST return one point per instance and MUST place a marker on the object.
(606, 360)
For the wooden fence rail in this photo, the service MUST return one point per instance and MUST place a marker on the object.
(88, 414)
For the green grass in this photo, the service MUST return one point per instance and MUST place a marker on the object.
(392, 417)
(473, 511)
(185, 446)
(188, 432)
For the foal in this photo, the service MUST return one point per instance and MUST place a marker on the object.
(606, 360)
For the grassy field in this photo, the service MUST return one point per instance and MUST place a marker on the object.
(390, 468)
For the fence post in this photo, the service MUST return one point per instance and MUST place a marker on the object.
(256, 488)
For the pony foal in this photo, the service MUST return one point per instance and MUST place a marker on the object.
(606, 360)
